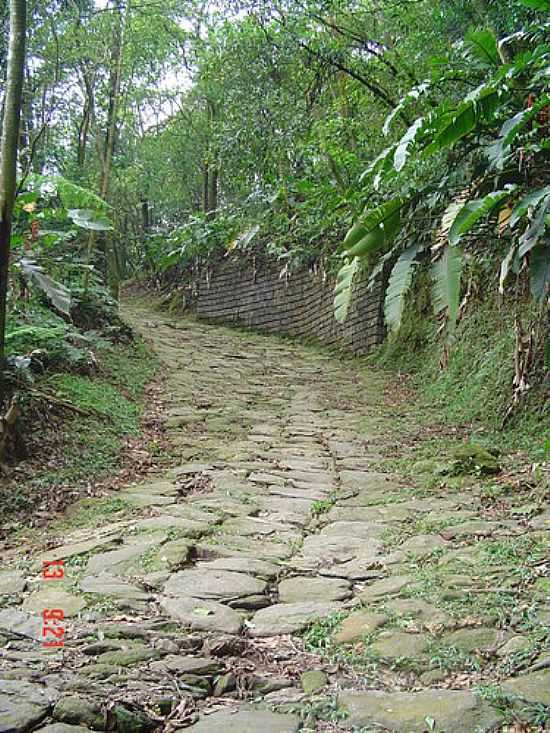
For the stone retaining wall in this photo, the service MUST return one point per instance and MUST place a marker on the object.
(302, 305)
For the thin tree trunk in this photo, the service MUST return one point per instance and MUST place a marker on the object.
(8, 149)
(145, 219)
(205, 186)
(213, 193)
(110, 141)
(87, 115)
(211, 169)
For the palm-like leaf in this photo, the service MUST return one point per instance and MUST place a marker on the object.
(446, 278)
(536, 230)
(530, 201)
(343, 289)
(540, 271)
(474, 211)
(450, 126)
(374, 229)
(398, 287)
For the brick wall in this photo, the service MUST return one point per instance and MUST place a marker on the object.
(301, 305)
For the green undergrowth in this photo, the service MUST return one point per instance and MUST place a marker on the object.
(475, 388)
(84, 442)
(113, 401)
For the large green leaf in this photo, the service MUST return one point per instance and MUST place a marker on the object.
(543, 5)
(505, 266)
(473, 211)
(57, 293)
(536, 230)
(398, 287)
(72, 196)
(90, 219)
(511, 129)
(343, 289)
(402, 151)
(382, 163)
(446, 277)
(375, 229)
(414, 94)
(482, 46)
(452, 126)
(531, 201)
(539, 268)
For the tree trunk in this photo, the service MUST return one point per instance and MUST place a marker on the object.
(205, 186)
(113, 279)
(213, 193)
(87, 115)
(8, 149)
(145, 218)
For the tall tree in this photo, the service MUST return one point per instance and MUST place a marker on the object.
(9, 146)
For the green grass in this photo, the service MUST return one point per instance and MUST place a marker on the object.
(85, 447)
(90, 511)
(323, 506)
(114, 401)
(513, 709)
(475, 388)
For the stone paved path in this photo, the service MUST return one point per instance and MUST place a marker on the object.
(187, 597)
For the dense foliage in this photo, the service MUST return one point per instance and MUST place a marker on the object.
(159, 137)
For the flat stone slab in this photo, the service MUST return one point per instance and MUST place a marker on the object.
(247, 565)
(472, 640)
(63, 728)
(357, 624)
(252, 526)
(74, 549)
(141, 501)
(366, 481)
(454, 711)
(355, 530)
(201, 615)
(322, 550)
(304, 588)
(418, 610)
(117, 561)
(225, 505)
(295, 492)
(213, 584)
(354, 570)
(112, 586)
(11, 581)
(235, 546)
(393, 645)
(187, 665)
(187, 527)
(423, 544)
(52, 598)
(288, 618)
(386, 588)
(12, 619)
(246, 721)
(23, 704)
(534, 687)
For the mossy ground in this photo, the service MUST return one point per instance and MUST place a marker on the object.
(74, 449)
(474, 389)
